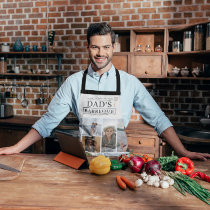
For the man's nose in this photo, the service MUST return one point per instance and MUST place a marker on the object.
(100, 52)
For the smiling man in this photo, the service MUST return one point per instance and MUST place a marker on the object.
(103, 95)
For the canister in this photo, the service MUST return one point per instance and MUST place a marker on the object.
(187, 43)
(198, 37)
(176, 46)
(208, 36)
(5, 47)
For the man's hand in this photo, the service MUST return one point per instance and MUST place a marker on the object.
(196, 155)
(8, 150)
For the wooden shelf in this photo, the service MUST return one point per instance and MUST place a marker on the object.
(30, 75)
(190, 52)
(29, 53)
(189, 78)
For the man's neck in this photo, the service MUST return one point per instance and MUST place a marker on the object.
(102, 71)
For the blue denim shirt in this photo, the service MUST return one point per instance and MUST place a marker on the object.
(133, 94)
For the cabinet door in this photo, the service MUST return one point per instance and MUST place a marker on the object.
(143, 144)
(10, 137)
(146, 65)
(121, 61)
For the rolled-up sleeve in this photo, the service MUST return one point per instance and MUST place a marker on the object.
(59, 107)
(149, 109)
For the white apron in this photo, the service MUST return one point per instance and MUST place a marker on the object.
(101, 122)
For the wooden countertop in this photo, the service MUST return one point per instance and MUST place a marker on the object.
(46, 184)
(19, 120)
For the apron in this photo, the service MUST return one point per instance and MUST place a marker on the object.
(100, 121)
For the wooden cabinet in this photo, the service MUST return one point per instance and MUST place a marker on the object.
(190, 59)
(158, 64)
(141, 63)
(143, 139)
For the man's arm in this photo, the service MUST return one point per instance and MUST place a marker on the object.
(171, 137)
(31, 137)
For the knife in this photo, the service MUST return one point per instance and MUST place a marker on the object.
(9, 168)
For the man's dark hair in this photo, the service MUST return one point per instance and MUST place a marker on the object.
(100, 29)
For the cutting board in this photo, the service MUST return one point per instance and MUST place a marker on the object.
(13, 161)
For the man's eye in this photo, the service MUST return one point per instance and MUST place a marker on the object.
(107, 47)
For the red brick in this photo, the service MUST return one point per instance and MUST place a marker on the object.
(155, 16)
(60, 3)
(61, 9)
(178, 2)
(106, 18)
(35, 10)
(38, 15)
(11, 11)
(167, 9)
(199, 14)
(89, 13)
(117, 24)
(10, 28)
(176, 22)
(67, 14)
(146, 10)
(197, 20)
(81, 25)
(54, 14)
(78, 2)
(19, 11)
(27, 10)
(125, 17)
(187, 14)
(11, 5)
(177, 15)
(146, 4)
(18, 16)
(42, 21)
(96, 1)
(135, 23)
(70, 8)
(41, 4)
(97, 19)
(167, 3)
(126, 5)
(87, 19)
(26, 22)
(126, 11)
(107, 12)
(155, 22)
(77, 20)
(26, 4)
(88, 7)
(205, 7)
(135, 17)
(106, 6)
(98, 7)
(145, 16)
(114, 1)
(188, 8)
(157, 4)
(187, 2)
(27, 27)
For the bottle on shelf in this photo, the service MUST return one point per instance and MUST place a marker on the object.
(3, 65)
(158, 48)
(208, 36)
(148, 48)
(138, 48)
(117, 42)
(187, 43)
(198, 37)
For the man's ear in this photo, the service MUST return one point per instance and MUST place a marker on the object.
(114, 47)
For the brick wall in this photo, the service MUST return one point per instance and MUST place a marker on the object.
(27, 20)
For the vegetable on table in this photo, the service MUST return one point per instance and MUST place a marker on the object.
(120, 183)
(125, 158)
(168, 163)
(136, 164)
(203, 176)
(117, 166)
(100, 165)
(146, 158)
(184, 183)
(153, 167)
(128, 182)
(185, 166)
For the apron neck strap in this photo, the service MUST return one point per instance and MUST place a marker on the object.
(117, 92)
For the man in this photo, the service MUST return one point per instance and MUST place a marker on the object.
(102, 80)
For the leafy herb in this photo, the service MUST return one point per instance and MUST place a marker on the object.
(168, 163)
(183, 184)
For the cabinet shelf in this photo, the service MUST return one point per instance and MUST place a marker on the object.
(190, 78)
(14, 75)
(29, 53)
(190, 52)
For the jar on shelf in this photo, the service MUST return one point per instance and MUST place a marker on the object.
(117, 42)
(187, 43)
(3, 65)
(158, 48)
(176, 46)
(5, 47)
(138, 48)
(198, 37)
(148, 48)
(208, 36)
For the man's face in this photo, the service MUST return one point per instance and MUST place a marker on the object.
(100, 52)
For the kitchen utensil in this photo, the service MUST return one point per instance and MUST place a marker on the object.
(24, 101)
(8, 168)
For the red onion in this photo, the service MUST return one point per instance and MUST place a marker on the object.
(136, 164)
(153, 167)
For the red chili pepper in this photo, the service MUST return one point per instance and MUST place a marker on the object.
(184, 165)
(203, 176)
(125, 158)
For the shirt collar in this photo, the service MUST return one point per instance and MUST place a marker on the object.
(92, 73)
